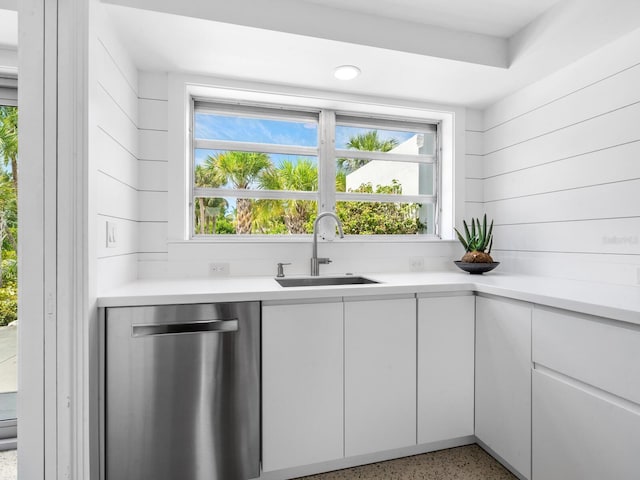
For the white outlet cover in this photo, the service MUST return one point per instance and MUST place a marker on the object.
(416, 264)
(218, 269)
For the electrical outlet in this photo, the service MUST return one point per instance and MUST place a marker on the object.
(218, 269)
(416, 264)
(111, 235)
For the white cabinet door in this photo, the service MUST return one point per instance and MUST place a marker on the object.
(380, 375)
(446, 331)
(579, 434)
(503, 380)
(302, 384)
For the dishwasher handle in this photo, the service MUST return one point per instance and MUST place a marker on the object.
(220, 326)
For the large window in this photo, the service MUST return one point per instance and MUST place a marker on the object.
(270, 171)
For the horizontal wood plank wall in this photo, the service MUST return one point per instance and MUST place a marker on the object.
(562, 170)
(474, 171)
(116, 159)
(158, 259)
(153, 169)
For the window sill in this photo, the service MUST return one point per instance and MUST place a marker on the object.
(274, 239)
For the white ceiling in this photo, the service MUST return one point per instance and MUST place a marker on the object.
(457, 52)
(501, 18)
(247, 53)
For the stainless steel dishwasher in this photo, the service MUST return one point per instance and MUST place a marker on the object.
(182, 392)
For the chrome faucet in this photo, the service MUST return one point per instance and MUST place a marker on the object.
(315, 261)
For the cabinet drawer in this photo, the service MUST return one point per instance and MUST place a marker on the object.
(596, 351)
(580, 435)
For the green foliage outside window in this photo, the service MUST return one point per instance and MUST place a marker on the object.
(8, 215)
(379, 218)
(9, 289)
(247, 170)
(280, 217)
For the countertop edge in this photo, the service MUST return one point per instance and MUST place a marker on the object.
(582, 297)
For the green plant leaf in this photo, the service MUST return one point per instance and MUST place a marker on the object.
(473, 229)
(462, 240)
(466, 230)
(485, 238)
(481, 239)
(490, 236)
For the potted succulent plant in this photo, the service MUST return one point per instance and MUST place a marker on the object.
(477, 242)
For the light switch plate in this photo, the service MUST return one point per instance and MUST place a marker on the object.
(112, 235)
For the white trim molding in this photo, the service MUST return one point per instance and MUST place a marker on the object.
(54, 351)
(182, 88)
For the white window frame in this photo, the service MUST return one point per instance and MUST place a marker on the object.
(424, 126)
(327, 120)
(258, 111)
(183, 87)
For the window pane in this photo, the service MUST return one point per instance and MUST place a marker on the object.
(381, 218)
(380, 140)
(407, 178)
(288, 160)
(251, 170)
(9, 263)
(210, 126)
(251, 216)
(427, 214)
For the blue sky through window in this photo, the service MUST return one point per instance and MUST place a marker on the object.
(274, 132)
(245, 129)
(278, 132)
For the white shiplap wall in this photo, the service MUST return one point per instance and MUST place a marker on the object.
(114, 151)
(158, 258)
(474, 168)
(562, 170)
(152, 171)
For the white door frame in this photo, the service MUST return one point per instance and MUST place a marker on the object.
(53, 344)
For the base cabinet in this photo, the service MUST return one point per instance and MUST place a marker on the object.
(503, 380)
(380, 375)
(580, 435)
(302, 384)
(586, 397)
(359, 376)
(446, 330)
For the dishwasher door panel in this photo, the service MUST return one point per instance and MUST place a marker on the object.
(182, 392)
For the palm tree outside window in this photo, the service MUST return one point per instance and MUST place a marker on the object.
(256, 171)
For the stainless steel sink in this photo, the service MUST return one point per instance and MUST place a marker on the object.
(323, 281)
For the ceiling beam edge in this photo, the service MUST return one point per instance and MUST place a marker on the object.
(340, 25)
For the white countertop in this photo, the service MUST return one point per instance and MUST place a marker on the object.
(610, 301)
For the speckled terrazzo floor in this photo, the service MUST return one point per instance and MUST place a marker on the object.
(461, 463)
(8, 466)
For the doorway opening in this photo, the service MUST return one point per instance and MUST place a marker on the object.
(8, 274)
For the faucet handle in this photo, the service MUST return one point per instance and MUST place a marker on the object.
(280, 273)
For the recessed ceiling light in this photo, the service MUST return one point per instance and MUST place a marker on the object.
(346, 72)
